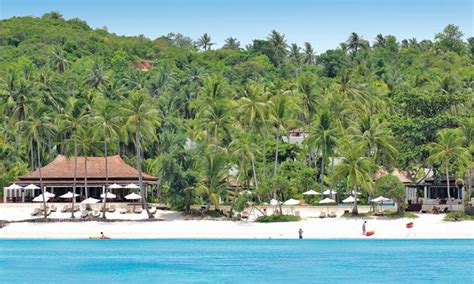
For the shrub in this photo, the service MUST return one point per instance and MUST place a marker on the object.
(277, 218)
(458, 216)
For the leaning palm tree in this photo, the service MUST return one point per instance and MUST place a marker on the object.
(106, 124)
(354, 166)
(141, 120)
(37, 127)
(448, 148)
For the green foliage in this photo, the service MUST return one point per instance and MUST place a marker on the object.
(277, 218)
(391, 187)
(397, 214)
(456, 216)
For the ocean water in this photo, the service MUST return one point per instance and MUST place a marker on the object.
(236, 261)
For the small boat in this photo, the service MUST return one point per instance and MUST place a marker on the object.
(100, 238)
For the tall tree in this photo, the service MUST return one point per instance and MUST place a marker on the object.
(308, 54)
(231, 43)
(205, 42)
(140, 120)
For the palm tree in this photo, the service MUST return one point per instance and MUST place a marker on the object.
(278, 43)
(58, 60)
(96, 77)
(448, 149)
(215, 172)
(243, 151)
(354, 166)
(467, 128)
(140, 120)
(308, 98)
(37, 127)
(106, 124)
(380, 41)
(231, 43)
(354, 42)
(253, 109)
(205, 42)
(85, 144)
(72, 123)
(216, 120)
(295, 54)
(322, 140)
(308, 54)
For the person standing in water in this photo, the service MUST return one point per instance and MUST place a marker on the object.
(363, 228)
(300, 233)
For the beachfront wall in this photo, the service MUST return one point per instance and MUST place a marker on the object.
(58, 178)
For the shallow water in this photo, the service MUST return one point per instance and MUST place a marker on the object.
(237, 261)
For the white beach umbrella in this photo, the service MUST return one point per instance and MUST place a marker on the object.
(90, 200)
(350, 199)
(327, 192)
(132, 196)
(274, 202)
(311, 192)
(109, 195)
(132, 186)
(39, 198)
(49, 194)
(327, 201)
(379, 199)
(68, 195)
(115, 186)
(14, 186)
(291, 201)
(32, 187)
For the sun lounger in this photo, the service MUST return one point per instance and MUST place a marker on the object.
(112, 208)
(322, 215)
(48, 212)
(332, 215)
(138, 210)
(125, 211)
(53, 208)
(95, 214)
(153, 210)
(66, 208)
(36, 212)
(84, 214)
(76, 208)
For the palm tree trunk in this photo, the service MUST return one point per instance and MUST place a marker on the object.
(104, 200)
(264, 154)
(254, 175)
(32, 155)
(355, 210)
(447, 181)
(467, 195)
(275, 170)
(140, 174)
(74, 183)
(41, 178)
(85, 174)
(321, 177)
(235, 197)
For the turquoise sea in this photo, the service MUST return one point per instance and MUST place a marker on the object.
(236, 261)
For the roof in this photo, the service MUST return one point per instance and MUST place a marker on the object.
(61, 170)
(396, 172)
(143, 65)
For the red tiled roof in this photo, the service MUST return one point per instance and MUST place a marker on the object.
(61, 169)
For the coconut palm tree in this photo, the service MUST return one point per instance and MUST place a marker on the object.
(295, 54)
(205, 42)
(85, 145)
(58, 60)
(141, 120)
(323, 139)
(106, 124)
(448, 148)
(467, 128)
(38, 127)
(278, 43)
(214, 166)
(96, 77)
(243, 151)
(231, 43)
(354, 42)
(380, 41)
(306, 91)
(216, 120)
(308, 54)
(354, 166)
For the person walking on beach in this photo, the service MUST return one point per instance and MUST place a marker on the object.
(363, 228)
(300, 233)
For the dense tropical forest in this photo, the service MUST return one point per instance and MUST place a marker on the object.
(213, 122)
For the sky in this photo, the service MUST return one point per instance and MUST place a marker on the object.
(323, 23)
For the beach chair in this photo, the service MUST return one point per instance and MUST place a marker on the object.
(36, 212)
(53, 208)
(153, 210)
(138, 210)
(48, 212)
(125, 211)
(95, 214)
(84, 214)
(332, 214)
(76, 208)
(322, 215)
(112, 208)
(445, 210)
(65, 209)
(297, 213)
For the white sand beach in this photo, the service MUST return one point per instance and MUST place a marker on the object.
(174, 225)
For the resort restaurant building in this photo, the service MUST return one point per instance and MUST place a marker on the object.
(58, 179)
